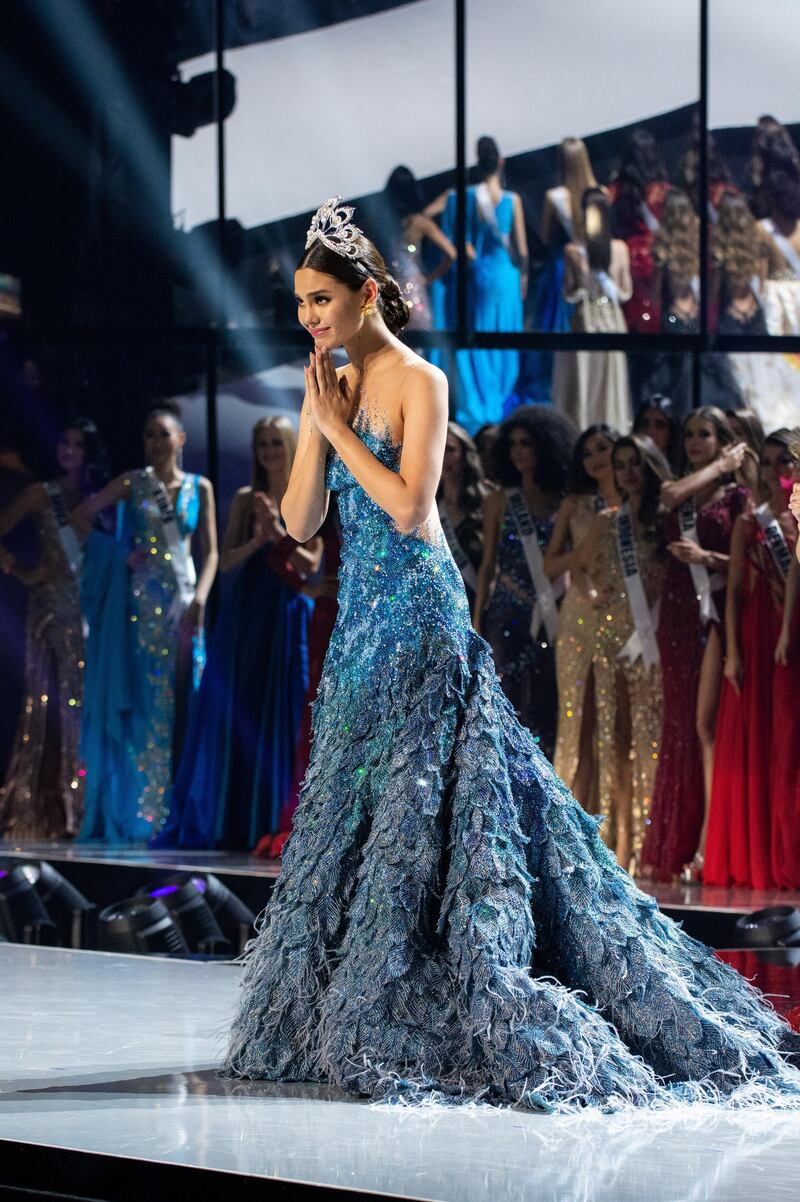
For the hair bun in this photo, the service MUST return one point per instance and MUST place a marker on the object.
(394, 309)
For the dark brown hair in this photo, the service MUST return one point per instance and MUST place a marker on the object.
(656, 472)
(473, 485)
(354, 273)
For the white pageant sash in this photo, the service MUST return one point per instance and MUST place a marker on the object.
(488, 212)
(649, 218)
(687, 518)
(69, 539)
(775, 539)
(559, 197)
(545, 611)
(643, 640)
(182, 562)
(463, 563)
(784, 246)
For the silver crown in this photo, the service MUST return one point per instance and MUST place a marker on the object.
(332, 224)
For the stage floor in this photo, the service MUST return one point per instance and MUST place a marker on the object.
(115, 1055)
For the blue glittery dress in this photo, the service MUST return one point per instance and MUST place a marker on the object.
(131, 688)
(448, 923)
(526, 665)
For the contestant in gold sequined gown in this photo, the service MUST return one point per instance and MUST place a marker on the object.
(42, 797)
(628, 695)
(575, 759)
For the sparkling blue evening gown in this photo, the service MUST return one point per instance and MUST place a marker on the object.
(448, 922)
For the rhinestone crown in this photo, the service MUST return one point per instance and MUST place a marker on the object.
(332, 224)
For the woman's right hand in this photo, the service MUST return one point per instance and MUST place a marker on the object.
(733, 670)
(794, 503)
(732, 458)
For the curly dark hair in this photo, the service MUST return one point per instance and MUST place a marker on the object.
(553, 435)
(579, 479)
(473, 484)
(354, 273)
(641, 165)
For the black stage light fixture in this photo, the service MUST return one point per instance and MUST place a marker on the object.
(63, 902)
(141, 925)
(23, 917)
(776, 926)
(235, 918)
(183, 896)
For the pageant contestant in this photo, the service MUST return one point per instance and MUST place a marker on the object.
(459, 498)
(435, 851)
(412, 234)
(657, 419)
(515, 601)
(236, 766)
(592, 386)
(748, 792)
(42, 797)
(145, 606)
(638, 194)
(592, 487)
(624, 555)
(497, 249)
(703, 506)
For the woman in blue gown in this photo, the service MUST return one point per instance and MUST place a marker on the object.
(145, 608)
(448, 922)
(237, 760)
(497, 250)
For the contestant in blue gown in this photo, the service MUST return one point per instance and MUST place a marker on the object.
(448, 923)
(497, 280)
(142, 635)
(236, 766)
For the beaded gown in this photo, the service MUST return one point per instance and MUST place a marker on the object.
(42, 796)
(577, 622)
(443, 898)
(676, 811)
(628, 694)
(525, 665)
(130, 713)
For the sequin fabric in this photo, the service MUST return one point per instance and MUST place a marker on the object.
(628, 694)
(406, 266)
(676, 813)
(526, 665)
(42, 796)
(156, 616)
(577, 621)
(448, 924)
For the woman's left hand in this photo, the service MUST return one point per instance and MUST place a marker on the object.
(687, 551)
(195, 616)
(794, 503)
(328, 395)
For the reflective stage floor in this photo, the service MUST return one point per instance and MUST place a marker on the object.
(113, 1056)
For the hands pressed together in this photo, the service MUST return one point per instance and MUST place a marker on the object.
(328, 395)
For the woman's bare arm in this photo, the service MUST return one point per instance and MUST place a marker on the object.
(117, 490)
(675, 492)
(556, 559)
(207, 533)
(305, 503)
(237, 548)
(733, 602)
(30, 500)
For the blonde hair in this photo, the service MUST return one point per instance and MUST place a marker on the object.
(260, 476)
(577, 174)
(677, 244)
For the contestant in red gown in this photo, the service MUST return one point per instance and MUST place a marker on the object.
(691, 643)
(638, 194)
(747, 792)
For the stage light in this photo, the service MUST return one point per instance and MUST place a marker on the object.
(235, 918)
(23, 917)
(141, 925)
(64, 903)
(776, 926)
(183, 895)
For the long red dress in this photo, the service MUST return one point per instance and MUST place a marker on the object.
(739, 843)
(678, 806)
(643, 310)
(785, 765)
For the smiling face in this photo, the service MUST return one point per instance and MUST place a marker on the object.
(163, 438)
(596, 456)
(654, 424)
(71, 450)
(628, 471)
(701, 442)
(522, 451)
(270, 450)
(328, 309)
